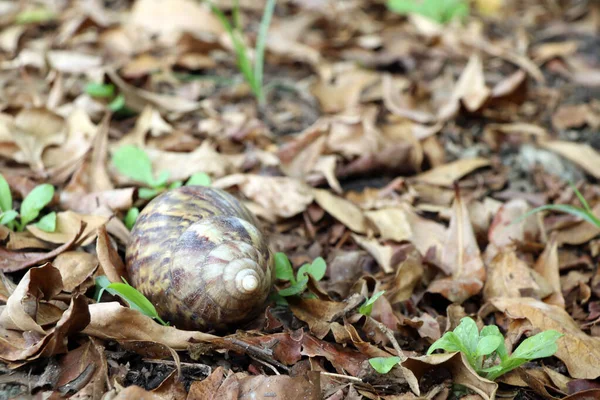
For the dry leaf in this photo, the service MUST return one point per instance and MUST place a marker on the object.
(547, 266)
(67, 225)
(75, 268)
(342, 210)
(581, 154)
(460, 258)
(447, 174)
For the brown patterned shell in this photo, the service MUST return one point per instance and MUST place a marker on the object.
(198, 256)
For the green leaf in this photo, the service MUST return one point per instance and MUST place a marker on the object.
(131, 217)
(131, 295)
(48, 222)
(582, 200)
(487, 345)
(199, 179)
(162, 179)
(539, 346)
(147, 193)
(8, 216)
(117, 104)
(468, 334)
(578, 212)
(367, 307)
(283, 268)
(260, 49)
(449, 342)
(506, 366)
(134, 163)
(317, 269)
(383, 365)
(34, 16)
(100, 90)
(492, 330)
(6, 202)
(295, 288)
(35, 201)
(175, 185)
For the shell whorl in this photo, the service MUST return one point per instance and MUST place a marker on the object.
(199, 257)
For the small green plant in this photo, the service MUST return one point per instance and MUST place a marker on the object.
(134, 163)
(30, 209)
(482, 349)
(285, 272)
(252, 73)
(131, 295)
(131, 217)
(367, 306)
(485, 350)
(584, 213)
(441, 11)
(106, 91)
(35, 16)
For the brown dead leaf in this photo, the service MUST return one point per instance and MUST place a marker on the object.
(390, 223)
(208, 387)
(470, 90)
(318, 314)
(575, 116)
(460, 258)
(11, 261)
(447, 174)
(582, 154)
(170, 21)
(344, 359)
(72, 62)
(407, 276)
(34, 130)
(508, 276)
(283, 197)
(83, 371)
(113, 321)
(341, 209)
(547, 266)
(67, 225)
(579, 352)
(344, 93)
(110, 262)
(38, 284)
(137, 98)
(299, 387)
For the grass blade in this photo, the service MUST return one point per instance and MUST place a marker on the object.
(581, 198)
(578, 212)
(261, 42)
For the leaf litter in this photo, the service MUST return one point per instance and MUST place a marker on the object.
(390, 155)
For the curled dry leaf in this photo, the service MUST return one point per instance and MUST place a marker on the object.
(460, 258)
(320, 313)
(21, 311)
(110, 262)
(345, 92)
(115, 322)
(72, 62)
(11, 261)
(508, 276)
(547, 266)
(345, 360)
(83, 371)
(579, 352)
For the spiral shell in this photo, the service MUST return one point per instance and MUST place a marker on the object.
(196, 253)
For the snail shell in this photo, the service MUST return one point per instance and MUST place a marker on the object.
(196, 253)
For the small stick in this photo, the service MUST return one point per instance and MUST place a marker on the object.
(266, 364)
(390, 336)
(347, 377)
(206, 369)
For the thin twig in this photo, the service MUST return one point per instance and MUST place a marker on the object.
(266, 364)
(258, 352)
(390, 335)
(206, 369)
(346, 377)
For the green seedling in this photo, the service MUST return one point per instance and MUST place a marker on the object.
(285, 272)
(485, 350)
(584, 213)
(252, 73)
(30, 209)
(440, 11)
(367, 306)
(383, 365)
(107, 91)
(131, 295)
(134, 163)
(35, 16)
(131, 217)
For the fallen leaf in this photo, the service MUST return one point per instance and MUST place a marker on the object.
(342, 210)
(75, 268)
(73, 62)
(508, 276)
(460, 258)
(344, 93)
(67, 225)
(446, 175)
(547, 266)
(580, 154)
(390, 223)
